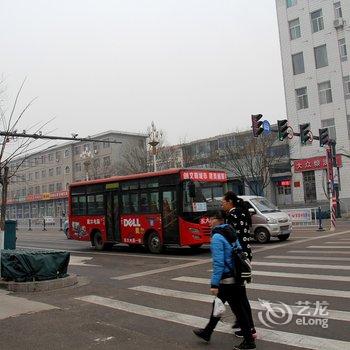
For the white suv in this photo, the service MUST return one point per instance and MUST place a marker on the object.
(268, 221)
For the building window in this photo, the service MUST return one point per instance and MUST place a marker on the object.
(58, 170)
(30, 176)
(67, 170)
(321, 58)
(106, 161)
(51, 172)
(325, 92)
(66, 153)
(36, 175)
(330, 124)
(50, 157)
(291, 3)
(337, 10)
(106, 144)
(43, 174)
(44, 188)
(302, 100)
(97, 163)
(298, 63)
(294, 29)
(317, 21)
(309, 186)
(77, 167)
(77, 150)
(58, 156)
(58, 186)
(51, 187)
(348, 121)
(37, 189)
(346, 81)
(342, 50)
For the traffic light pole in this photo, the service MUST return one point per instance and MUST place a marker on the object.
(331, 158)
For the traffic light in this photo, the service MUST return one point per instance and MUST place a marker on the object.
(324, 136)
(305, 133)
(257, 124)
(282, 129)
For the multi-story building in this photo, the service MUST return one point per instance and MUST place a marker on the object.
(212, 152)
(40, 185)
(314, 39)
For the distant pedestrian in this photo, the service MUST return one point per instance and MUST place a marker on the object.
(223, 240)
(238, 216)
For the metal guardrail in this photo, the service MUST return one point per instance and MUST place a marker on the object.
(40, 224)
(304, 216)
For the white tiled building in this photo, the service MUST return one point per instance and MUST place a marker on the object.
(315, 44)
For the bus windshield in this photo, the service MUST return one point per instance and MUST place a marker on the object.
(207, 196)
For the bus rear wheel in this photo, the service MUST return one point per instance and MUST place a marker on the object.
(98, 241)
(154, 244)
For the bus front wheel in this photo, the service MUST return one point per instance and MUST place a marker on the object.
(98, 241)
(154, 244)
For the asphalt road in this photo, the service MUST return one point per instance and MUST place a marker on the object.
(128, 299)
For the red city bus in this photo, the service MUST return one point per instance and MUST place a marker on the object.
(163, 208)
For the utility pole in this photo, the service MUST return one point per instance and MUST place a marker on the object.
(154, 138)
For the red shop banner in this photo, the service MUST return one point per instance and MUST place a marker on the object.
(314, 163)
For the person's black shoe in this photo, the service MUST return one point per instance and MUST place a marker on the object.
(246, 345)
(202, 333)
(239, 334)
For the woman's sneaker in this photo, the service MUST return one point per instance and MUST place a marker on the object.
(239, 334)
(246, 345)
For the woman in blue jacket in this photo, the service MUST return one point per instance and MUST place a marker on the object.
(223, 241)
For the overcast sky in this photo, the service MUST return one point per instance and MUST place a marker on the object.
(198, 68)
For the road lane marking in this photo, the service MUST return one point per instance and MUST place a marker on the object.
(117, 254)
(317, 252)
(293, 257)
(302, 266)
(163, 269)
(81, 261)
(14, 306)
(274, 336)
(275, 288)
(256, 305)
(278, 246)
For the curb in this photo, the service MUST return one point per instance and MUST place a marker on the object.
(40, 286)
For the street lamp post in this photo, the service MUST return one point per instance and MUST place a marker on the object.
(154, 138)
(86, 157)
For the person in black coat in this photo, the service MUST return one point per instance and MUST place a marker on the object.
(238, 216)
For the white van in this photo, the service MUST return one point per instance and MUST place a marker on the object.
(268, 221)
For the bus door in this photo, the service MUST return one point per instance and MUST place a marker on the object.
(170, 216)
(112, 216)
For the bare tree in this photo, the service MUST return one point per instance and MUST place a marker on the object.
(252, 160)
(13, 151)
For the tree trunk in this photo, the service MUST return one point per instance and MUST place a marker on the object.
(4, 198)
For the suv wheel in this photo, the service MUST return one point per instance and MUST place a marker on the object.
(262, 235)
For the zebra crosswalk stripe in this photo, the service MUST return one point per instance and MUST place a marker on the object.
(293, 257)
(317, 252)
(303, 266)
(255, 305)
(274, 336)
(307, 276)
(276, 288)
(329, 247)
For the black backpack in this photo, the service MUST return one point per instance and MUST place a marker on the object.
(242, 271)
